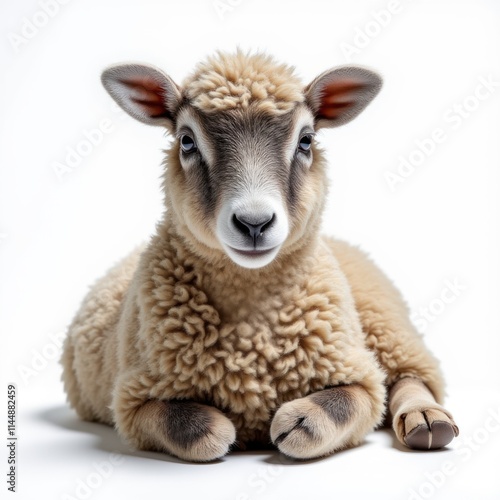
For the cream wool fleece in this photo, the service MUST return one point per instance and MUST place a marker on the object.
(196, 331)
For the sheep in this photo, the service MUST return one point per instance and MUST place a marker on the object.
(238, 323)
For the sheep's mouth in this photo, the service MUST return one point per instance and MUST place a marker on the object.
(254, 252)
(253, 258)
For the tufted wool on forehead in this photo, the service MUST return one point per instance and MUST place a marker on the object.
(230, 81)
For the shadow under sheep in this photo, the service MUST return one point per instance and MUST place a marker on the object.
(109, 441)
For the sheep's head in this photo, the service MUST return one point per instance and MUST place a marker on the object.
(244, 176)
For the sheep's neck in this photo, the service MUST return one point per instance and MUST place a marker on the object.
(235, 290)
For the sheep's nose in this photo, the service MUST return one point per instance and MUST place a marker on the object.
(253, 226)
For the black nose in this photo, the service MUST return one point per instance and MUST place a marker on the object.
(251, 226)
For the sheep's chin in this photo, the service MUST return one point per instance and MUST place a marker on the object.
(252, 259)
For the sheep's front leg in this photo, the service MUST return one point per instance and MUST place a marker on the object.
(323, 422)
(418, 420)
(188, 430)
(183, 428)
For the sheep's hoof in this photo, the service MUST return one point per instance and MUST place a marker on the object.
(427, 429)
(197, 432)
(314, 426)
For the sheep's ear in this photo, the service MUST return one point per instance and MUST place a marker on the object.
(144, 92)
(340, 94)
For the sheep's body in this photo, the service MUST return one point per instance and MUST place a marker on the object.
(185, 351)
(205, 336)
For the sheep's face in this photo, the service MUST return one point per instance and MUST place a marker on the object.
(244, 176)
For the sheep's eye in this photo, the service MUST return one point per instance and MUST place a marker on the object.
(187, 144)
(305, 143)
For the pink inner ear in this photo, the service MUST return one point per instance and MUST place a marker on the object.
(337, 98)
(147, 93)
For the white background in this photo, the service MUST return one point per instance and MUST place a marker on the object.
(59, 233)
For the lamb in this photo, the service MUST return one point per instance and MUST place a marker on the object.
(238, 323)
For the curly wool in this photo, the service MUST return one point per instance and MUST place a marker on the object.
(238, 80)
(299, 340)
(167, 311)
(303, 337)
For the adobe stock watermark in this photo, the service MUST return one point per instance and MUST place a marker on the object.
(31, 26)
(365, 34)
(426, 315)
(452, 119)
(223, 7)
(39, 359)
(101, 471)
(466, 448)
(75, 154)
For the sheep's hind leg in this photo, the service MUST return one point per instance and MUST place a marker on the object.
(413, 374)
(186, 429)
(418, 420)
(323, 422)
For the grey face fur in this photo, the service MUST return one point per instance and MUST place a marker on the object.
(245, 168)
(247, 179)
